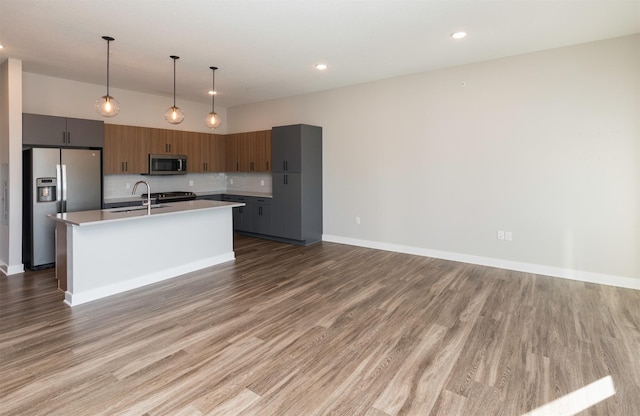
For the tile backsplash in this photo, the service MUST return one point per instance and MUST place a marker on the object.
(120, 186)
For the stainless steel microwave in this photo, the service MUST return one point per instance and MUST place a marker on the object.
(167, 164)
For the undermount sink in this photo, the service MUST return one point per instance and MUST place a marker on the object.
(135, 208)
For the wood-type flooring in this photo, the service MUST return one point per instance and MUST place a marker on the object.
(327, 329)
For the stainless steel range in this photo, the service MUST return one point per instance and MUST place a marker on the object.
(174, 196)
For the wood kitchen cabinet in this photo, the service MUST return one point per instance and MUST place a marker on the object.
(297, 183)
(164, 141)
(126, 149)
(196, 159)
(249, 152)
(206, 152)
(41, 130)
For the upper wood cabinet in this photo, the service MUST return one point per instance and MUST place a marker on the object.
(232, 164)
(126, 149)
(249, 152)
(217, 153)
(163, 141)
(206, 152)
(263, 151)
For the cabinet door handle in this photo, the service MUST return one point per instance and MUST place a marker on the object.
(285, 179)
(259, 210)
(64, 137)
(267, 165)
(251, 166)
(126, 166)
(122, 169)
(69, 137)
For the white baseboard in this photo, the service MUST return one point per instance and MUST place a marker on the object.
(9, 270)
(602, 279)
(74, 299)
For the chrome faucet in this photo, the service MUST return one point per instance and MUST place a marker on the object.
(148, 202)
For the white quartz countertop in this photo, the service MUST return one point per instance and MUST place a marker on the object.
(139, 213)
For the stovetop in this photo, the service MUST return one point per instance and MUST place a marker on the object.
(171, 196)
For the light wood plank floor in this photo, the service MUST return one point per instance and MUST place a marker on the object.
(328, 329)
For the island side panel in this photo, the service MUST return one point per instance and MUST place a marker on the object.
(110, 258)
(61, 255)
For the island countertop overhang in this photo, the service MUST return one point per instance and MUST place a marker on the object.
(95, 217)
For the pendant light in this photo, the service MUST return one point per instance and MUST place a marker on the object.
(174, 115)
(106, 105)
(212, 120)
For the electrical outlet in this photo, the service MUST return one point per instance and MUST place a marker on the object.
(508, 236)
(500, 235)
(190, 183)
(230, 181)
(357, 220)
(261, 182)
(127, 185)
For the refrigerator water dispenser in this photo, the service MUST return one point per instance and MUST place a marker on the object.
(46, 188)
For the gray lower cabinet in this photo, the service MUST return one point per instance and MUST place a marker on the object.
(254, 217)
(262, 216)
(242, 216)
(41, 130)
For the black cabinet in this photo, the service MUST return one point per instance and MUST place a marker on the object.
(297, 183)
(40, 130)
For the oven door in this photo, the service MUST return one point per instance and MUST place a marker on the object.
(167, 164)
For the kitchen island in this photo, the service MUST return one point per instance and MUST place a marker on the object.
(103, 252)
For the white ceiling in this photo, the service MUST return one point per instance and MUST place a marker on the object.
(267, 49)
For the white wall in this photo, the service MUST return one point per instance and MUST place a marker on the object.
(66, 98)
(61, 97)
(545, 145)
(11, 167)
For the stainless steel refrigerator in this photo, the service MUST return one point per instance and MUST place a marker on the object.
(56, 180)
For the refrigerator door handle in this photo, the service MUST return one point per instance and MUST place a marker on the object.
(64, 188)
(58, 189)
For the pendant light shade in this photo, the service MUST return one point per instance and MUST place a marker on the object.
(212, 120)
(174, 115)
(107, 106)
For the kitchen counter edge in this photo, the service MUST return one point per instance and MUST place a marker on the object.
(94, 217)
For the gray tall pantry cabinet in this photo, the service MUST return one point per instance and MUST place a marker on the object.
(297, 183)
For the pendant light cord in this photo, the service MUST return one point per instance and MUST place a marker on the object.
(174, 79)
(108, 49)
(213, 88)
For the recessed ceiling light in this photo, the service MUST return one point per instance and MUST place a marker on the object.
(1, 46)
(212, 92)
(321, 67)
(458, 35)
